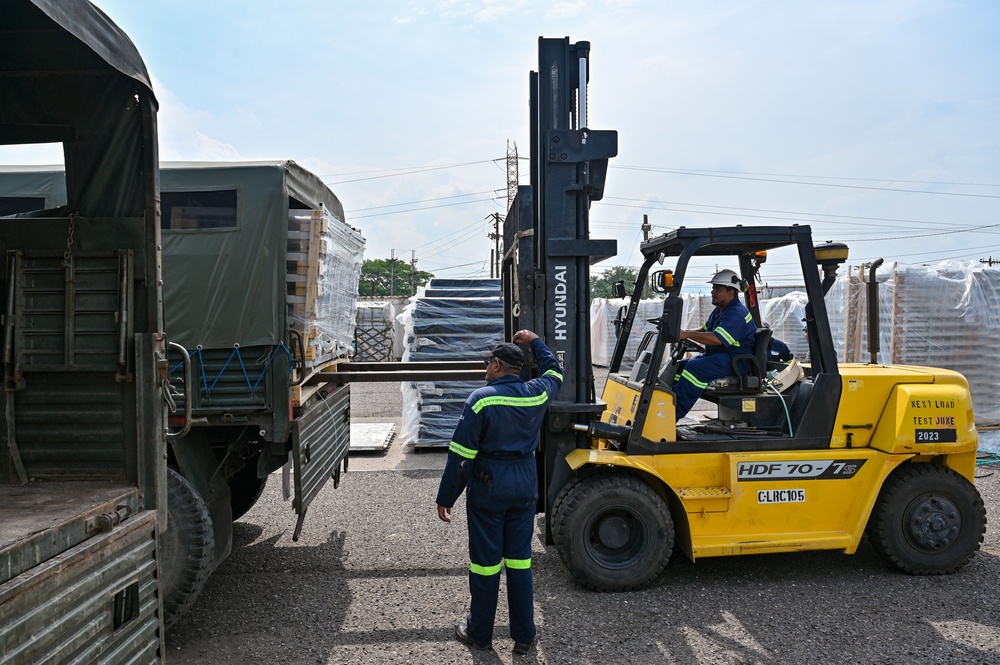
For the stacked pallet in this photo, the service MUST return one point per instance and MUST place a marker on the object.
(449, 319)
(324, 257)
(784, 314)
(937, 316)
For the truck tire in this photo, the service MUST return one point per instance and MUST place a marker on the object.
(187, 546)
(245, 488)
(928, 520)
(613, 531)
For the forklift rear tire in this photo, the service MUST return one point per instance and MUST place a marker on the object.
(928, 520)
(187, 546)
(613, 531)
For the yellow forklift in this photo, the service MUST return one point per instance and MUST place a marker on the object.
(790, 462)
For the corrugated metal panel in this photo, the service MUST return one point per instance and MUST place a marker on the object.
(227, 380)
(68, 317)
(96, 603)
(71, 336)
(72, 425)
(321, 438)
(43, 520)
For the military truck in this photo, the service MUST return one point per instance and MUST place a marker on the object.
(260, 279)
(82, 473)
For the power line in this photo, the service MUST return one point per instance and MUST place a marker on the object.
(777, 212)
(440, 198)
(821, 177)
(925, 235)
(390, 173)
(745, 215)
(798, 182)
(443, 205)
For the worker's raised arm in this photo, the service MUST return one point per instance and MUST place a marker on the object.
(548, 366)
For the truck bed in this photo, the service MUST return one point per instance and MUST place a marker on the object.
(44, 519)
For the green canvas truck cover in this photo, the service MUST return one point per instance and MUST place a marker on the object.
(204, 267)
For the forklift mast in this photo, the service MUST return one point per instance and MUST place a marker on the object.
(547, 246)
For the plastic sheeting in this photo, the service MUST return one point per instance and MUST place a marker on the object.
(323, 302)
(784, 314)
(448, 327)
(941, 315)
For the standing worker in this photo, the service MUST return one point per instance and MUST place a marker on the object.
(729, 331)
(492, 453)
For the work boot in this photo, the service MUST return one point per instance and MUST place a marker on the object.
(524, 647)
(462, 633)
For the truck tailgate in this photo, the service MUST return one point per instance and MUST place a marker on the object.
(321, 439)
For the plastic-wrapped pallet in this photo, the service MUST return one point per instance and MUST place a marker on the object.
(784, 314)
(449, 319)
(324, 264)
(604, 312)
(937, 316)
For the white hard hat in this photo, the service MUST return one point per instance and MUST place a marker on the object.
(727, 278)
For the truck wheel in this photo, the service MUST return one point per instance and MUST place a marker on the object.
(245, 488)
(187, 546)
(613, 531)
(928, 520)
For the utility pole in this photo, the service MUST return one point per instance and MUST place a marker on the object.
(413, 272)
(495, 252)
(512, 174)
(392, 272)
(990, 261)
(646, 228)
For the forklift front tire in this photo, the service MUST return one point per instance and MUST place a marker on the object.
(928, 520)
(613, 531)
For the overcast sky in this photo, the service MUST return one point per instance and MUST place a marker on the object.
(875, 121)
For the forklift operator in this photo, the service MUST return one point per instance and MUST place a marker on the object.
(729, 331)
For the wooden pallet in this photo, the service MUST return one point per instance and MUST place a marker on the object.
(303, 392)
(303, 258)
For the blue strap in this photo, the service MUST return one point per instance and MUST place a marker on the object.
(252, 386)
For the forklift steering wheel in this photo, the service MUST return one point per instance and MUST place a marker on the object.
(683, 347)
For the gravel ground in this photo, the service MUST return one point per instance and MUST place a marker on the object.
(376, 578)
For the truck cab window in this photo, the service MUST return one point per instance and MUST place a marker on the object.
(214, 209)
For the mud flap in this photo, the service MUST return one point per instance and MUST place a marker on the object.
(321, 439)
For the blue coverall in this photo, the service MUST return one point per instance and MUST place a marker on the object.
(778, 351)
(734, 327)
(492, 453)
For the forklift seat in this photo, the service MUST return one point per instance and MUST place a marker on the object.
(751, 381)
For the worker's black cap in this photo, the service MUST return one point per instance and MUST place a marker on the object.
(508, 353)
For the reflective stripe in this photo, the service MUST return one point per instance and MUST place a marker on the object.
(517, 564)
(749, 317)
(726, 336)
(503, 400)
(467, 453)
(693, 379)
(485, 571)
(554, 373)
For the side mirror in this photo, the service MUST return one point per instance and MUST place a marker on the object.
(618, 289)
(661, 280)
